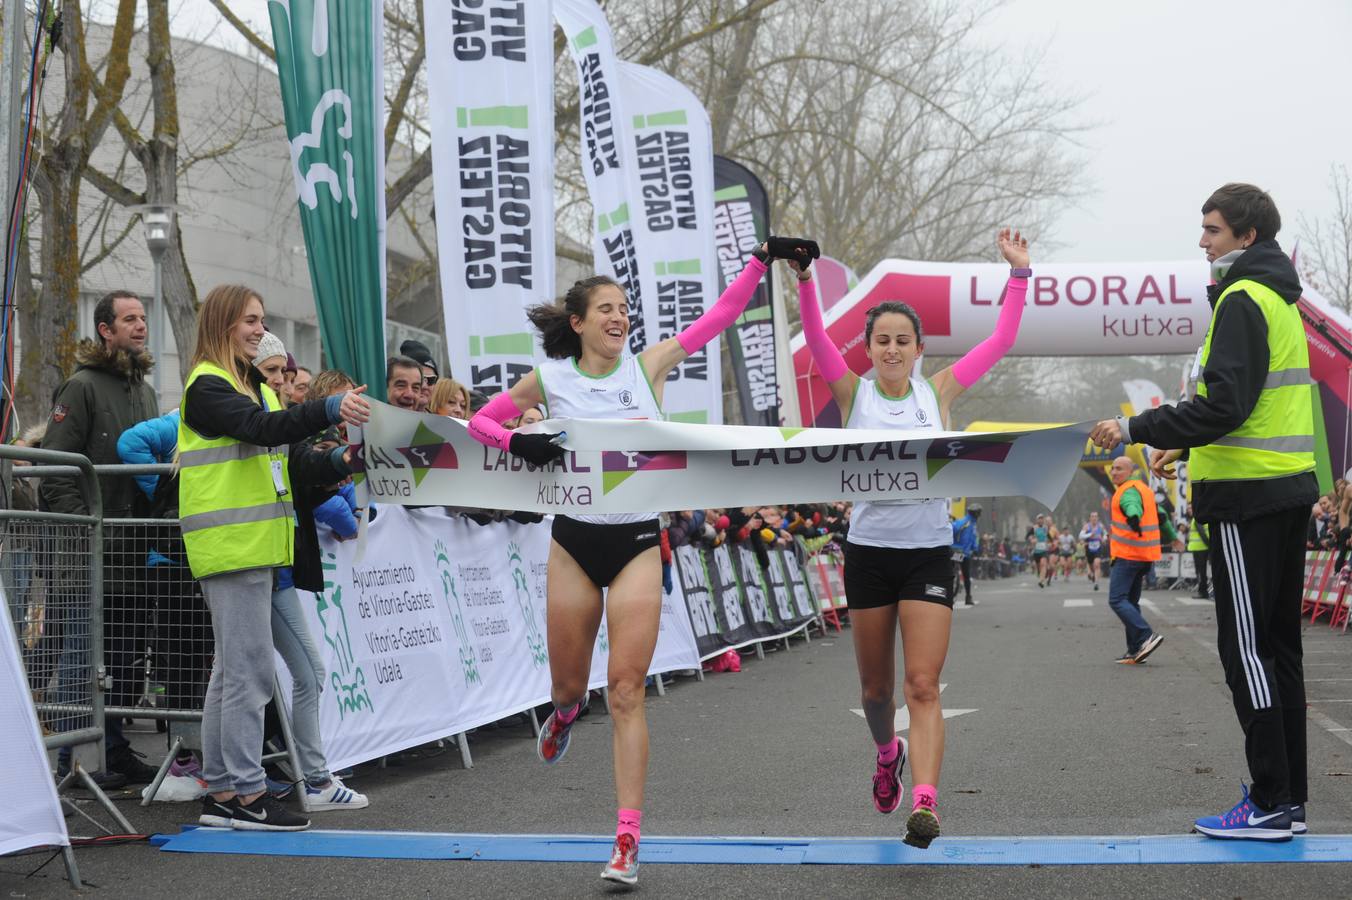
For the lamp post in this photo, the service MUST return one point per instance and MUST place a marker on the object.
(156, 220)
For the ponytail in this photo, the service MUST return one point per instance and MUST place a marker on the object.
(554, 320)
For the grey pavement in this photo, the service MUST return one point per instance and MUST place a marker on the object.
(1061, 742)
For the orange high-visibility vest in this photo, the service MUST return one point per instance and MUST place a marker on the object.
(1127, 544)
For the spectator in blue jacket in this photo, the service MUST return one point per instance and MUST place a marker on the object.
(183, 636)
(965, 541)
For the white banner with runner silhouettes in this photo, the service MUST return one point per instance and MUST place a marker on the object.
(439, 627)
(424, 459)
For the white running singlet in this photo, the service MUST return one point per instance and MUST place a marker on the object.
(906, 524)
(622, 393)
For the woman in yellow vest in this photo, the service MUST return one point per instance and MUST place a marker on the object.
(237, 522)
(1251, 439)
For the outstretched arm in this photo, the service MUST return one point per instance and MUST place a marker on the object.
(486, 425)
(824, 353)
(968, 370)
(659, 359)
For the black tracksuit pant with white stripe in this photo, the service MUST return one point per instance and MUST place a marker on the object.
(1258, 572)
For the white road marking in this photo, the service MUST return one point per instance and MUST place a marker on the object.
(902, 721)
(1194, 601)
(1073, 603)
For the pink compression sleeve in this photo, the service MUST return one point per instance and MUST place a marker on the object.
(978, 361)
(486, 426)
(725, 311)
(824, 353)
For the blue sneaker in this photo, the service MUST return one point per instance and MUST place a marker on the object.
(1246, 822)
(279, 790)
(1298, 818)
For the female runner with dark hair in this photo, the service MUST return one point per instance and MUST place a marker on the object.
(897, 569)
(590, 376)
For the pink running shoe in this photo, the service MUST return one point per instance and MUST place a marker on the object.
(191, 769)
(553, 741)
(623, 865)
(887, 788)
(923, 825)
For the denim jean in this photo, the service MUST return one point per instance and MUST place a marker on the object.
(1124, 596)
(291, 637)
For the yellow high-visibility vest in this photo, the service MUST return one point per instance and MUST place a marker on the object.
(1277, 439)
(230, 511)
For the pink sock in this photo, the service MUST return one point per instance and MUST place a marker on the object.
(629, 821)
(566, 716)
(888, 752)
(923, 795)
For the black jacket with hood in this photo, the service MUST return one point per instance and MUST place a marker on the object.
(212, 408)
(107, 395)
(1234, 375)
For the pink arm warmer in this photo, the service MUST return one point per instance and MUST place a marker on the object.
(828, 359)
(978, 361)
(486, 426)
(725, 311)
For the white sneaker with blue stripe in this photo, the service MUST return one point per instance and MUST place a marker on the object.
(334, 795)
(1247, 822)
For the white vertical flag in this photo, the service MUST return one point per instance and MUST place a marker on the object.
(607, 151)
(490, 70)
(31, 816)
(672, 183)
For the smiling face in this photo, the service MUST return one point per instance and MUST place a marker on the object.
(606, 325)
(248, 331)
(1218, 238)
(893, 347)
(405, 387)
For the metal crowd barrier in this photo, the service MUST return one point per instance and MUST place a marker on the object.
(157, 639)
(52, 568)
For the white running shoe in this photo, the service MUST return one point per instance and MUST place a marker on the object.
(334, 795)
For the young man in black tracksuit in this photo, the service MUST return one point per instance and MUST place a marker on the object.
(1249, 436)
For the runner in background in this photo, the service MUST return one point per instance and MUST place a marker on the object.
(966, 540)
(898, 574)
(590, 376)
(1093, 534)
(1053, 549)
(1066, 543)
(1042, 543)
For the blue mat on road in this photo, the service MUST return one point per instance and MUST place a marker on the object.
(963, 851)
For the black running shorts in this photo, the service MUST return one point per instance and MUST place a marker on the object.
(604, 550)
(879, 576)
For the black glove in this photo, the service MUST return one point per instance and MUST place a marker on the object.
(800, 250)
(536, 449)
(1135, 523)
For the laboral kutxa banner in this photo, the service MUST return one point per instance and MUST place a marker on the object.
(1072, 309)
(490, 85)
(672, 183)
(440, 627)
(419, 458)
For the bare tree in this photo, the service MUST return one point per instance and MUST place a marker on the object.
(88, 105)
(1326, 254)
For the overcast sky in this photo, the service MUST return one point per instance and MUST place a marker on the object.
(1191, 95)
(1187, 97)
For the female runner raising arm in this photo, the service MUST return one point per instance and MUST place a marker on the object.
(897, 569)
(589, 376)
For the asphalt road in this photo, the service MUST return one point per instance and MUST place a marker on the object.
(1061, 741)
